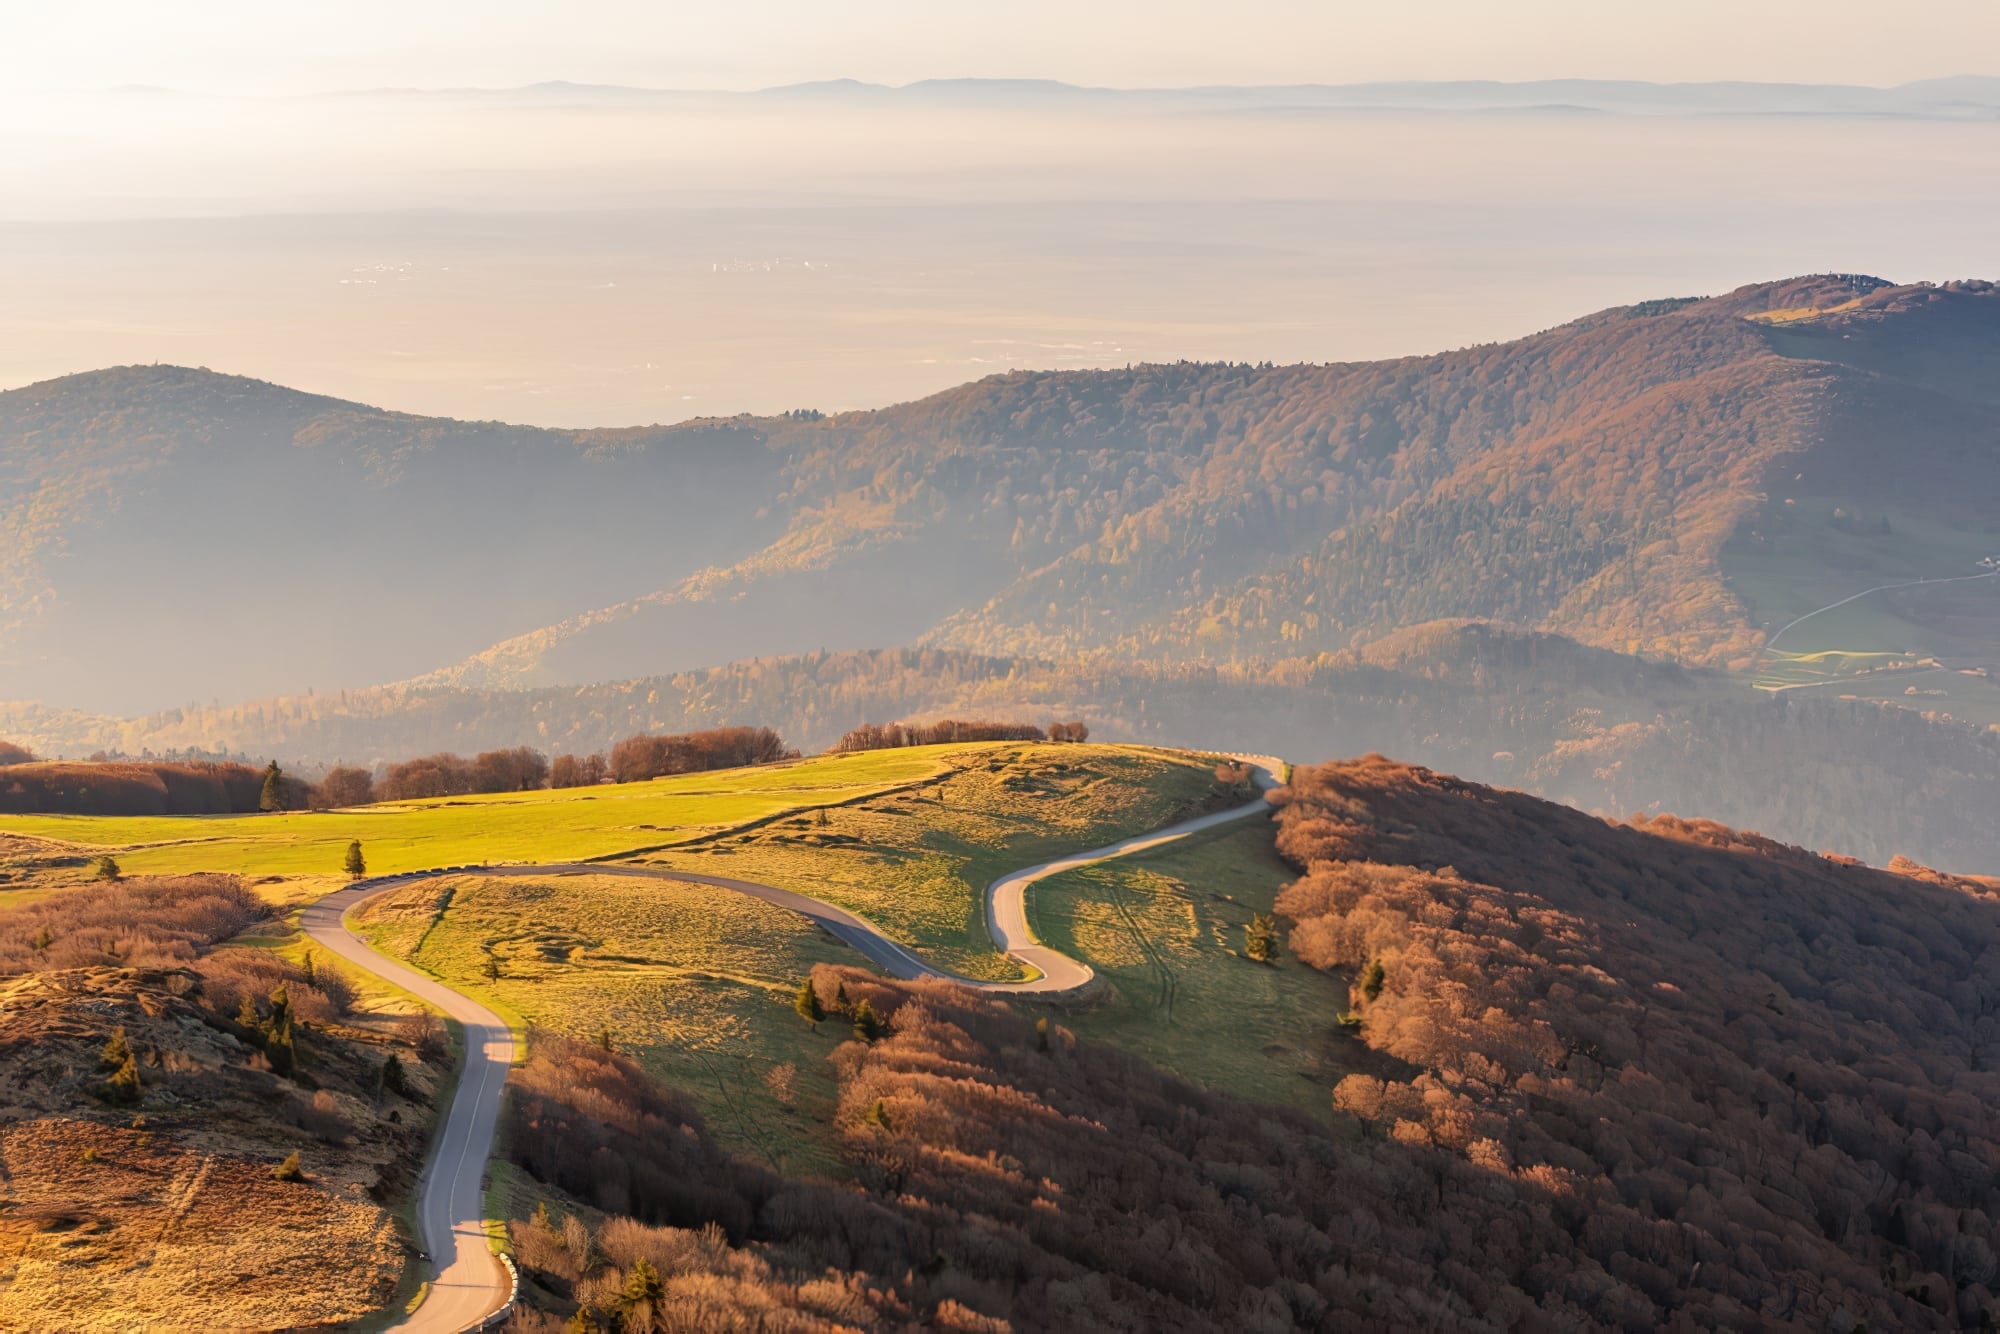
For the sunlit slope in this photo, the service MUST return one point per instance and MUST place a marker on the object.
(1583, 480)
(565, 825)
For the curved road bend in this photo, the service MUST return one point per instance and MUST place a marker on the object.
(452, 1210)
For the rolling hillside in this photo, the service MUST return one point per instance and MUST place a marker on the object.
(1674, 478)
(1586, 1076)
(1603, 731)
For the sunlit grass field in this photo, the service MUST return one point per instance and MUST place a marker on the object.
(693, 981)
(568, 824)
(697, 982)
(1165, 930)
(917, 863)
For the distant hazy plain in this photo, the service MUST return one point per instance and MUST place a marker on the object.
(584, 258)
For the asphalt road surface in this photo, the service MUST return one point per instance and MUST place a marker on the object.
(470, 1283)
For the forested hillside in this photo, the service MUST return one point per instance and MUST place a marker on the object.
(1586, 480)
(1756, 1083)
(1670, 1076)
(1601, 730)
(1662, 478)
(246, 537)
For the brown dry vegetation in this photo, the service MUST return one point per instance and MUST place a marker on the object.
(154, 1204)
(128, 788)
(1751, 1083)
(1662, 1077)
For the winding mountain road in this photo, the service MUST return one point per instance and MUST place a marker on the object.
(470, 1285)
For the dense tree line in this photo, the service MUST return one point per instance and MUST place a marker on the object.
(344, 785)
(578, 771)
(638, 758)
(130, 788)
(518, 769)
(890, 736)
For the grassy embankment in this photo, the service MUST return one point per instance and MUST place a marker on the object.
(1165, 930)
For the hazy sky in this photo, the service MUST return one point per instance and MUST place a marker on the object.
(315, 45)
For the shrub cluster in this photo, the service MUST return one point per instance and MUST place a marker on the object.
(144, 922)
(638, 758)
(518, 769)
(891, 736)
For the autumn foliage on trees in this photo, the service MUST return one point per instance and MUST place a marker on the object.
(638, 758)
(122, 787)
(578, 771)
(343, 785)
(1623, 1078)
(1752, 1084)
(517, 769)
(890, 736)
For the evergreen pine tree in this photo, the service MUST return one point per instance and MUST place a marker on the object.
(289, 1170)
(1260, 938)
(247, 1016)
(642, 1291)
(278, 1043)
(107, 868)
(43, 940)
(392, 1075)
(867, 1026)
(123, 1086)
(1042, 1033)
(604, 1039)
(807, 1004)
(583, 1322)
(116, 1051)
(356, 865)
(273, 796)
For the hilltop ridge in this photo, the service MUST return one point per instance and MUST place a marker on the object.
(1667, 478)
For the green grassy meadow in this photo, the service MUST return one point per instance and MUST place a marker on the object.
(695, 982)
(917, 863)
(1165, 930)
(569, 824)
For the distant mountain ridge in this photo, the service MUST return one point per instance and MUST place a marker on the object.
(1632, 479)
(1589, 480)
(1963, 97)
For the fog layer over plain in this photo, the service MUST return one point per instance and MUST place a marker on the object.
(575, 256)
